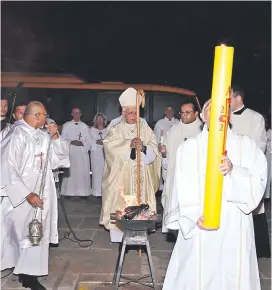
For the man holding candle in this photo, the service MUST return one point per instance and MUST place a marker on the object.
(224, 258)
(119, 188)
(165, 124)
(189, 126)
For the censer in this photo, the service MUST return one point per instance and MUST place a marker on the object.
(35, 227)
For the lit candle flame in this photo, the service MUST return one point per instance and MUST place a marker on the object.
(128, 199)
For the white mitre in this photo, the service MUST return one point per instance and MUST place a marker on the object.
(128, 98)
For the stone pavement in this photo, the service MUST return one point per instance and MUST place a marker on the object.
(74, 267)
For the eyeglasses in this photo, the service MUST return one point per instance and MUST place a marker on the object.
(186, 113)
(132, 113)
(46, 115)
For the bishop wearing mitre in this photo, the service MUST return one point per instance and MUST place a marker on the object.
(120, 172)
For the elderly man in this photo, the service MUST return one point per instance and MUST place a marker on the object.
(249, 123)
(76, 179)
(23, 158)
(120, 118)
(189, 126)
(224, 258)
(17, 115)
(120, 172)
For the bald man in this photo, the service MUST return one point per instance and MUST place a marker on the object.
(23, 158)
(76, 180)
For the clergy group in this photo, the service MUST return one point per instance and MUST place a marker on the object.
(101, 160)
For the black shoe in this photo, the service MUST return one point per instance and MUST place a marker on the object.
(29, 281)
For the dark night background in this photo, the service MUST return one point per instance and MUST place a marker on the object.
(141, 42)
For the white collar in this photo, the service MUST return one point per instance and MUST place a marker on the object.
(168, 119)
(238, 109)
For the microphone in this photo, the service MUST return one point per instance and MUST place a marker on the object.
(49, 121)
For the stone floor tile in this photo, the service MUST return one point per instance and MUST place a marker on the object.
(102, 241)
(91, 223)
(265, 268)
(266, 284)
(74, 221)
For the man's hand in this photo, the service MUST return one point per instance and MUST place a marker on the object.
(162, 149)
(99, 142)
(34, 200)
(137, 144)
(53, 130)
(226, 166)
(76, 143)
(201, 226)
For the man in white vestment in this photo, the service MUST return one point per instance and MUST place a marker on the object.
(98, 133)
(164, 125)
(226, 258)
(189, 126)
(17, 115)
(76, 180)
(250, 123)
(119, 188)
(24, 154)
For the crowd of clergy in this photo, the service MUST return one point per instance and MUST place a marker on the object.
(101, 161)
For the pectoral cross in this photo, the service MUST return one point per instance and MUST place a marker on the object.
(100, 134)
(79, 136)
(41, 158)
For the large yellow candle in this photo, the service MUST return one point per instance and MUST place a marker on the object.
(218, 126)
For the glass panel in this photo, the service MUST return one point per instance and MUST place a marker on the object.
(163, 100)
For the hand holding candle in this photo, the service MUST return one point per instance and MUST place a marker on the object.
(161, 137)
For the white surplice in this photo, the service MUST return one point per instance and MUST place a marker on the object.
(161, 128)
(76, 180)
(23, 154)
(5, 131)
(226, 258)
(97, 160)
(175, 136)
(250, 123)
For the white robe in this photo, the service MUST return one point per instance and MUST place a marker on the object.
(5, 131)
(224, 259)
(97, 160)
(20, 175)
(268, 154)
(165, 124)
(175, 136)
(76, 180)
(250, 123)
